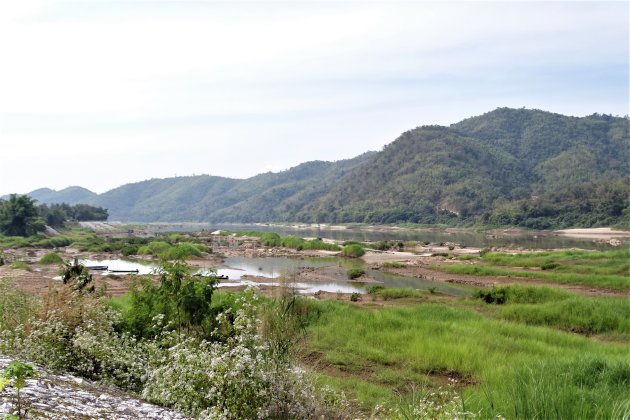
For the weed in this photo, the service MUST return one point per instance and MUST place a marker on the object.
(51, 258)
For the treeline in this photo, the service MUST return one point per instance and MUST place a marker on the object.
(21, 216)
(56, 215)
(584, 205)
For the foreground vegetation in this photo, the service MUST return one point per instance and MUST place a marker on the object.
(173, 343)
(509, 369)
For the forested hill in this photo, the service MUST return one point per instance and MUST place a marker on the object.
(266, 197)
(507, 167)
(70, 195)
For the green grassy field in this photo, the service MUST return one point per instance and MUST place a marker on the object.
(604, 269)
(509, 369)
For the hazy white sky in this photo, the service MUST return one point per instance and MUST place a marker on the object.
(102, 93)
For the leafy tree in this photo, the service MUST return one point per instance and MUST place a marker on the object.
(19, 216)
(181, 300)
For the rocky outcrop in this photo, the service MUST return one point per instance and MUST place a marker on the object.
(53, 396)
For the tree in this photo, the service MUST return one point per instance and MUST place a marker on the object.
(19, 216)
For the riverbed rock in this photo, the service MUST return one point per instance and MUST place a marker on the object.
(55, 396)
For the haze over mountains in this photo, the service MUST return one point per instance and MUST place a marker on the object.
(509, 166)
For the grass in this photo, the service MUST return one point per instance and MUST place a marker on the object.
(39, 240)
(354, 273)
(393, 264)
(606, 269)
(51, 258)
(353, 251)
(560, 309)
(15, 306)
(394, 347)
(272, 239)
(21, 265)
(167, 251)
(395, 293)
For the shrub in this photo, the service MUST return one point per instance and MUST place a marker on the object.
(549, 265)
(292, 242)
(521, 294)
(319, 244)
(129, 249)
(353, 251)
(51, 258)
(238, 378)
(270, 239)
(182, 301)
(375, 289)
(381, 246)
(496, 295)
(354, 273)
(484, 251)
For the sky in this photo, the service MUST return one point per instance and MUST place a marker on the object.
(103, 93)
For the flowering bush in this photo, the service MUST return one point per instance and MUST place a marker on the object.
(442, 403)
(237, 378)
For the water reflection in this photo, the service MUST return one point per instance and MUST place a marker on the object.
(330, 274)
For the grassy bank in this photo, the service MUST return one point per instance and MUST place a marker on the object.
(272, 239)
(605, 269)
(509, 367)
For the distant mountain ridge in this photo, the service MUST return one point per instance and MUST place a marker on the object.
(70, 195)
(508, 167)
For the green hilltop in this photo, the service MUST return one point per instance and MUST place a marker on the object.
(518, 167)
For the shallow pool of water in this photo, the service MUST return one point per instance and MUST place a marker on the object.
(335, 268)
(281, 271)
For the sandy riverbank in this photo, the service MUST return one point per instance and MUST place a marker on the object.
(593, 233)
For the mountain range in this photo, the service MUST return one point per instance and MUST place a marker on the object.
(518, 167)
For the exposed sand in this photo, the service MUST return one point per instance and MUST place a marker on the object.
(593, 233)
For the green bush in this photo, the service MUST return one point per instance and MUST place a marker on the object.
(375, 289)
(51, 258)
(129, 249)
(270, 239)
(353, 251)
(354, 273)
(319, 244)
(292, 242)
(496, 295)
(549, 266)
(180, 300)
(381, 245)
